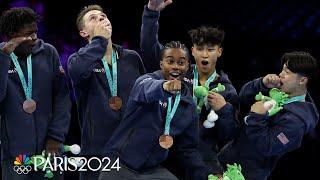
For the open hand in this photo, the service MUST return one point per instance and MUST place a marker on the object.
(158, 5)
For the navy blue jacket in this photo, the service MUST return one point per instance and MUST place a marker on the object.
(226, 127)
(97, 119)
(136, 140)
(23, 133)
(263, 139)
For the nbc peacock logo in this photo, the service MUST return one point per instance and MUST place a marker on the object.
(22, 164)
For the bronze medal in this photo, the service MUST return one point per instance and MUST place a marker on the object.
(115, 103)
(29, 106)
(165, 141)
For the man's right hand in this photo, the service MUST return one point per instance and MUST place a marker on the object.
(271, 81)
(103, 29)
(172, 86)
(259, 108)
(13, 43)
(158, 5)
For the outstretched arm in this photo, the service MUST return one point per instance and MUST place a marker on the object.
(149, 43)
(147, 89)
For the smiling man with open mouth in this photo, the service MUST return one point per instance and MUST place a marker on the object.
(206, 50)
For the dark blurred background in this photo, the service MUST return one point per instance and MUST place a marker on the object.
(258, 33)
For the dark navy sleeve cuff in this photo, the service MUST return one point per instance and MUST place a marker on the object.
(150, 13)
(100, 39)
(56, 138)
(227, 108)
(255, 119)
(263, 88)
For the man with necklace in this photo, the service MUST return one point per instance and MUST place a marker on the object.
(265, 137)
(206, 50)
(34, 96)
(102, 75)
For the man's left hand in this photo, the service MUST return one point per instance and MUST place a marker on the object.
(216, 101)
(52, 147)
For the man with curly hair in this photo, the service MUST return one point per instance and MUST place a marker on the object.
(206, 50)
(159, 122)
(34, 96)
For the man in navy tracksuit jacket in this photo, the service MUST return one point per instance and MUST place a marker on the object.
(206, 49)
(25, 133)
(136, 140)
(97, 119)
(263, 138)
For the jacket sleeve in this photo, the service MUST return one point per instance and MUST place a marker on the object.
(4, 67)
(59, 125)
(227, 124)
(149, 43)
(139, 61)
(185, 153)
(250, 90)
(81, 64)
(147, 89)
(283, 137)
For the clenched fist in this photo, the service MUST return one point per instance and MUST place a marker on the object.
(172, 86)
(271, 81)
(216, 101)
(11, 45)
(103, 28)
(52, 147)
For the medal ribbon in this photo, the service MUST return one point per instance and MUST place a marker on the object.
(112, 81)
(171, 111)
(196, 80)
(27, 88)
(295, 98)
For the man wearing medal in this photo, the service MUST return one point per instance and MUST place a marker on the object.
(34, 97)
(206, 51)
(265, 138)
(160, 122)
(102, 75)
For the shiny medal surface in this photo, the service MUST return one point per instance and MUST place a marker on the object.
(29, 106)
(165, 141)
(115, 103)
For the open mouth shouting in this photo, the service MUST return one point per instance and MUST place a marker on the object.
(174, 75)
(204, 62)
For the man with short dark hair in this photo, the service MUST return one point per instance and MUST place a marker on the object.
(102, 75)
(264, 138)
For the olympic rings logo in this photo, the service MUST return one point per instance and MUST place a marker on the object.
(21, 169)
